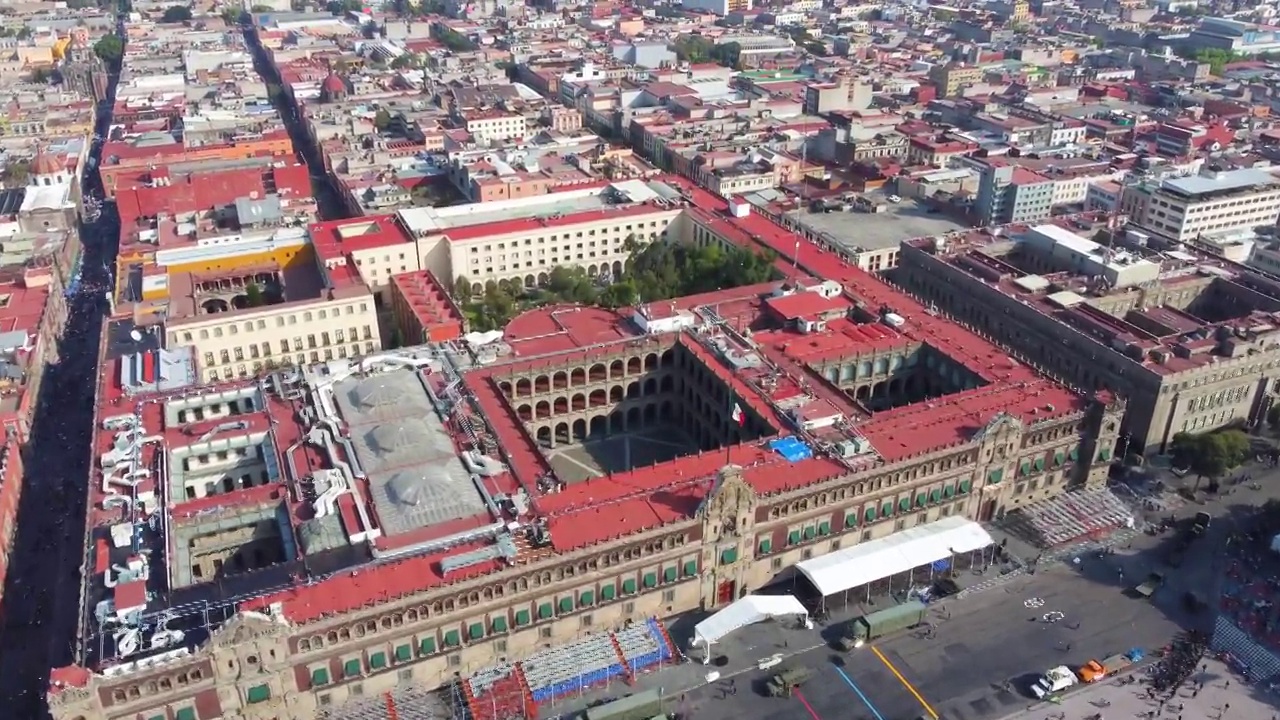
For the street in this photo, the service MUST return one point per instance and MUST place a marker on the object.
(986, 645)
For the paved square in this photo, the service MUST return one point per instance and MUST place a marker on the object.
(618, 453)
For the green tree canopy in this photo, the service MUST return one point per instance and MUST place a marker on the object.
(110, 48)
(1210, 454)
(656, 271)
(382, 119)
(176, 14)
(728, 54)
(693, 48)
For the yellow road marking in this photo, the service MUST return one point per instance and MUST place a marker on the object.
(910, 688)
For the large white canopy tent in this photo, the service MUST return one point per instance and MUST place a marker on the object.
(747, 611)
(904, 550)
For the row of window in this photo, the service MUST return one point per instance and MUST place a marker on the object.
(315, 356)
(261, 324)
(448, 640)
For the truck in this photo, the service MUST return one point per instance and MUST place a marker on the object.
(1150, 585)
(1054, 680)
(1200, 523)
(878, 624)
(785, 682)
(640, 706)
(1095, 670)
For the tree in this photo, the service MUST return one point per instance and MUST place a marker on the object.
(1273, 416)
(816, 47)
(406, 60)
(382, 119)
(16, 172)
(261, 9)
(693, 48)
(1210, 454)
(462, 289)
(176, 14)
(110, 48)
(253, 296)
(727, 54)
(338, 7)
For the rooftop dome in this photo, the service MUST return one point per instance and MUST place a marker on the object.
(334, 84)
(373, 392)
(392, 438)
(45, 164)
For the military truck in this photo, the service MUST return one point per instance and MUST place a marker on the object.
(891, 620)
(786, 681)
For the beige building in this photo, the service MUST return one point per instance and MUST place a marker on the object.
(1209, 208)
(1114, 319)
(244, 343)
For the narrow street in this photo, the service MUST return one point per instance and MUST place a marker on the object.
(42, 589)
(330, 203)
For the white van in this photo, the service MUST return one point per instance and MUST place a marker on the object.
(1054, 680)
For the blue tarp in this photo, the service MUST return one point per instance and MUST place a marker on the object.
(791, 448)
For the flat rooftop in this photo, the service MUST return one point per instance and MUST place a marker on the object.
(593, 197)
(861, 232)
(1164, 339)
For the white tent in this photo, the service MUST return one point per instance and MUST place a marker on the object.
(747, 611)
(870, 561)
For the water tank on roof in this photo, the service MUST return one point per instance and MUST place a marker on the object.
(894, 320)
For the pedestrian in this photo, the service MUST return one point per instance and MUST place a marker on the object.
(1227, 685)
(1226, 707)
(1195, 692)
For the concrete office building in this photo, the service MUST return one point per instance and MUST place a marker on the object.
(1188, 339)
(1207, 208)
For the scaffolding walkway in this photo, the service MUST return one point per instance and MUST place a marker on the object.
(1070, 517)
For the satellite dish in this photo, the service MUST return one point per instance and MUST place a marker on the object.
(136, 335)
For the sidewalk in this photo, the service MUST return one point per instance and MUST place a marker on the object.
(1223, 697)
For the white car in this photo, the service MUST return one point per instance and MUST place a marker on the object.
(1054, 680)
(895, 199)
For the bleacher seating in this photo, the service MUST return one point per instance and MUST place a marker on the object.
(499, 693)
(508, 691)
(1070, 517)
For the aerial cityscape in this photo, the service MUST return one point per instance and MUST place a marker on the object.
(645, 360)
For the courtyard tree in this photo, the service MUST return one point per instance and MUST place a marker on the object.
(176, 14)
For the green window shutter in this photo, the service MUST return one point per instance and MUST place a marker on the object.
(766, 546)
(587, 598)
(476, 631)
(1024, 467)
(522, 617)
(670, 574)
(824, 528)
(377, 661)
(793, 537)
(404, 653)
(257, 694)
(995, 476)
(629, 586)
(729, 556)
(566, 604)
(922, 500)
(1074, 454)
(948, 491)
(690, 568)
(870, 514)
(607, 592)
(650, 579)
(185, 713)
(156, 717)
(453, 638)
(499, 623)
(886, 510)
(851, 520)
(1104, 454)
(427, 646)
(904, 504)
(1039, 464)
(351, 668)
(810, 532)
(936, 495)
(320, 676)
(545, 611)
(1058, 457)
(964, 486)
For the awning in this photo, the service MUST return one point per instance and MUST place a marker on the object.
(749, 610)
(906, 549)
